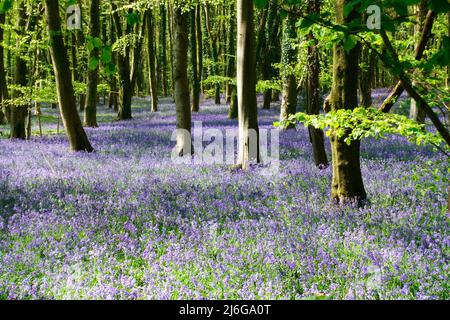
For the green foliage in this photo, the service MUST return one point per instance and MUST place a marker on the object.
(362, 123)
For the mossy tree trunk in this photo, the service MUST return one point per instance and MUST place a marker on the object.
(19, 111)
(246, 85)
(347, 182)
(4, 111)
(90, 109)
(77, 136)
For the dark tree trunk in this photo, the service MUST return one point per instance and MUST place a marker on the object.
(181, 93)
(246, 85)
(72, 123)
(123, 61)
(213, 38)
(313, 93)
(366, 76)
(347, 184)
(19, 111)
(90, 109)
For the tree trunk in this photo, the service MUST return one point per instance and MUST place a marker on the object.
(246, 85)
(289, 58)
(72, 123)
(181, 82)
(163, 49)
(313, 93)
(347, 182)
(366, 77)
(231, 61)
(194, 59)
(123, 61)
(4, 112)
(19, 111)
(151, 61)
(214, 53)
(90, 109)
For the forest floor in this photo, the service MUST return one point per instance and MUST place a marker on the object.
(125, 222)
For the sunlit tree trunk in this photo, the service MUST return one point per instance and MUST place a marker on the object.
(194, 59)
(288, 58)
(246, 85)
(347, 182)
(181, 82)
(313, 92)
(90, 109)
(72, 123)
(151, 61)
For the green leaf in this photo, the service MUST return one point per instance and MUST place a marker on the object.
(93, 64)
(349, 43)
(260, 4)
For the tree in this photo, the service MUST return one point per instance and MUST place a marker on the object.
(313, 92)
(246, 85)
(181, 82)
(4, 111)
(19, 111)
(76, 135)
(196, 73)
(288, 59)
(347, 182)
(90, 109)
(151, 61)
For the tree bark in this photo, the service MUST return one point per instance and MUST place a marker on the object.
(313, 93)
(151, 61)
(4, 111)
(72, 123)
(246, 85)
(19, 111)
(288, 58)
(90, 109)
(181, 82)
(347, 183)
(194, 59)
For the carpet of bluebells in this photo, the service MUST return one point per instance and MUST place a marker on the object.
(127, 223)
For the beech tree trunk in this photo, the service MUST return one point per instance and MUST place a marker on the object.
(313, 93)
(347, 182)
(151, 61)
(288, 58)
(194, 59)
(90, 109)
(181, 82)
(246, 85)
(231, 60)
(67, 104)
